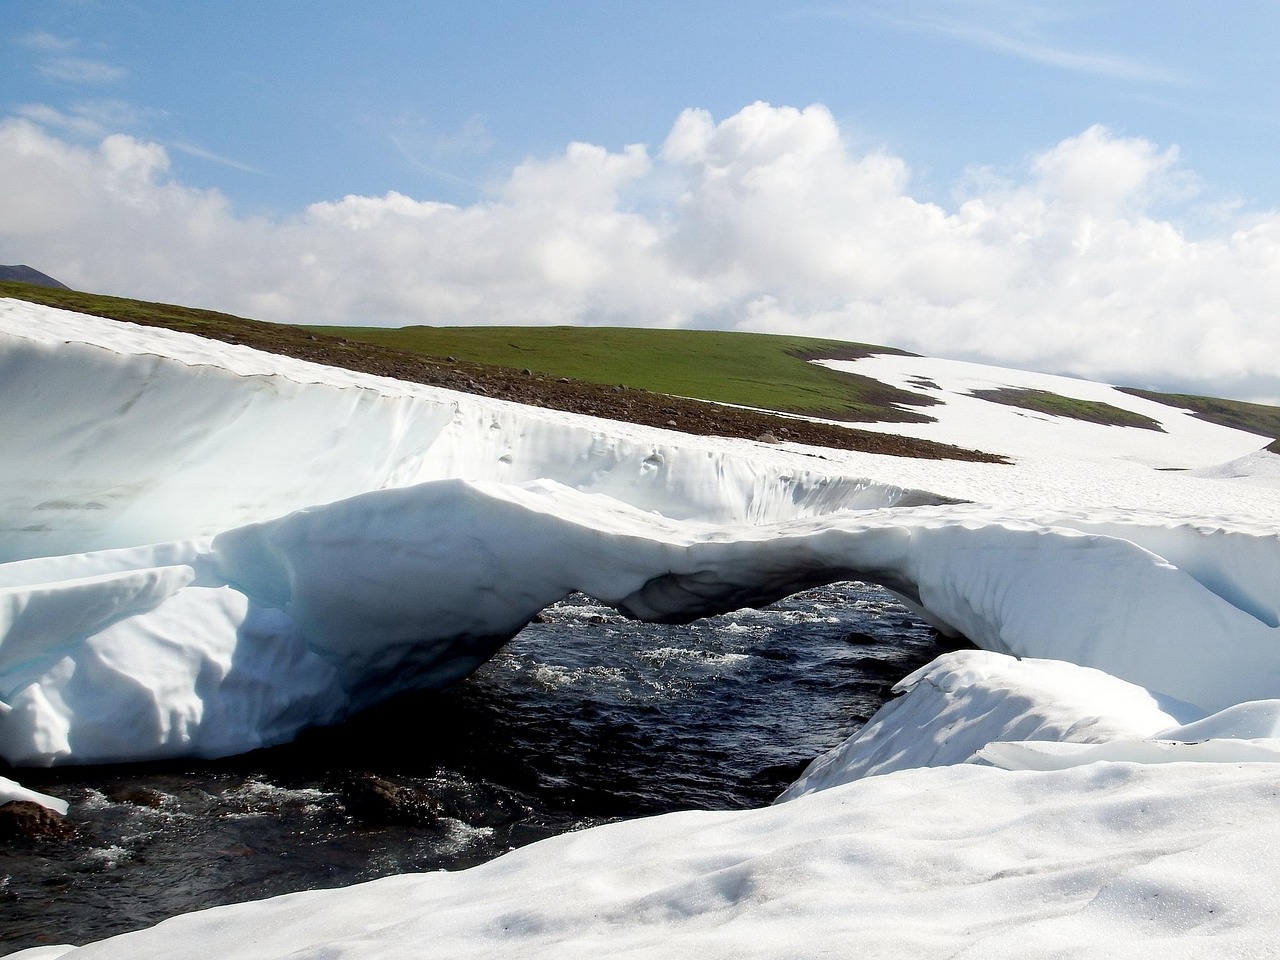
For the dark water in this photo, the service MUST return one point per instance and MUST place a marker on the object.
(584, 718)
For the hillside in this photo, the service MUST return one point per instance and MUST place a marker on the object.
(746, 369)
(610, 399)
(642, 376)
(1252, 417)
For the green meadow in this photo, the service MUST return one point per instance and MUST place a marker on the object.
(748, 369)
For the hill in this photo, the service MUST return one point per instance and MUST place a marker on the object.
(747, 369)
(1251, 417)
(609, 400)
(639, 375)
(24, 274)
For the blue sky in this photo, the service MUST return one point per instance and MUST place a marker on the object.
(244, 125)
(279, 104)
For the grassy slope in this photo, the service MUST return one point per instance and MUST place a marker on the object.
(561, 393)
(754, 370)
(1251, 417)
(1092, 411)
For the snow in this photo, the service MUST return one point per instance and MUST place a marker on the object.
(11, 790)
(209, 549)
(963, 702)
(1184, 441)
(1105, 860)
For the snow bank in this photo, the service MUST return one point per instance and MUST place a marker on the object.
(118, 435)
(951, 709)
(353, 579)
(1106, 860)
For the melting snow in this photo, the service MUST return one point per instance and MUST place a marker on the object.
(210, 548)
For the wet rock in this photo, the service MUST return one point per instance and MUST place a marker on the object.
(781, 773)
(862, 639)
(873, 667)
(24, 820)
(375, 801)
(137, 795)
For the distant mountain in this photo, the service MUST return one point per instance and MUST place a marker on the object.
(24, 274)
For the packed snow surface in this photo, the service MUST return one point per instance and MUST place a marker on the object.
(209, 548)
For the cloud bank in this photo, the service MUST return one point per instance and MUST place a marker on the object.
(1080, 262)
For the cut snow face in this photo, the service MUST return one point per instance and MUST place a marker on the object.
(211, 548)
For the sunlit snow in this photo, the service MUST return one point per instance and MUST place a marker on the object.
(211, 548)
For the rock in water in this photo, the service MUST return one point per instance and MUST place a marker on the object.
(25, 820)
(379, 802)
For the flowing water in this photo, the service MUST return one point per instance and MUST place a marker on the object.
(583, 718)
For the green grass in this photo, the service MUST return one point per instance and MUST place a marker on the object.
(1251, 417)
(1093, 411)
(753, 370)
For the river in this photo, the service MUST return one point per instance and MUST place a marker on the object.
(583, 718)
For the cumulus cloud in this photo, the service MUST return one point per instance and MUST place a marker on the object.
(764, 220)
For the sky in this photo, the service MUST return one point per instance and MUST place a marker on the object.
(1084, 188)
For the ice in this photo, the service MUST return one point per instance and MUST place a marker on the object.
(209, 549)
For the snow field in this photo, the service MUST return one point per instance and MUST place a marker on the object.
(211, 548)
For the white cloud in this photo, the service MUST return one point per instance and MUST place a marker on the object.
(192, 150)
(1048, 54)
(472, 139)
(91, 118)
(48, 42)
(1016, 28)
(764, 220)
(429, 151)
(81, 71)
